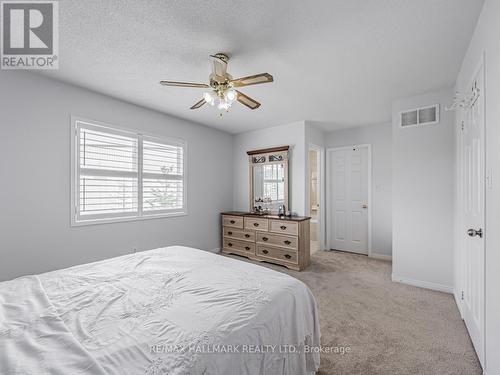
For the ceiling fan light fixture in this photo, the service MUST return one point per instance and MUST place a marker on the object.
(209, 97)
(230, 95)
(224, 105)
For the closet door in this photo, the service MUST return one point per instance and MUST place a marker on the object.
(473, 216)
(347, 192)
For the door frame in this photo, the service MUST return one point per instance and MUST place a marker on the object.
(321, 200)
(329, 218)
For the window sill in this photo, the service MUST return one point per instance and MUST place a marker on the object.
(80, 223)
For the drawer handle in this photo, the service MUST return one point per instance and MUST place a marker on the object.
(283, 227)
(265, 239)
(255, 224)
(230, 233)
(247, 235)
(232, 222)
(265, 251)
(230, 244)
(288, 256)
(247, 248)
(287, 242)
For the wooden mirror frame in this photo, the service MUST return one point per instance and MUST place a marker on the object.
(274, 155)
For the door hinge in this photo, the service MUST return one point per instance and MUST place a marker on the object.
(462, 126)
(462, 295)
(489, 179)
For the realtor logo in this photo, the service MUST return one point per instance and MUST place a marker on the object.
(30, 38)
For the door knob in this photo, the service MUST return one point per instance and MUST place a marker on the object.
(472, 233)
(364, 206)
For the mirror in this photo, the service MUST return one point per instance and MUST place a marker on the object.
(268, 180)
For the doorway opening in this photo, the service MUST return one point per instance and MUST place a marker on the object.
(315, 209)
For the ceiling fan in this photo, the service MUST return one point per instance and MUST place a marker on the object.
(221, 86)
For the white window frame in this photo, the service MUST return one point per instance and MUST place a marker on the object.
(121, 217)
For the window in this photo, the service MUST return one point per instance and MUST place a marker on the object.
(121, 175)
(274, 182)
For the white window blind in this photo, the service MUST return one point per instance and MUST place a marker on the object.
(121, 175)
(162, 176)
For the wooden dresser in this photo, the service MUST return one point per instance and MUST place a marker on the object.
(268, 238)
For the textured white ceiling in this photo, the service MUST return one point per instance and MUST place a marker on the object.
(336, 62)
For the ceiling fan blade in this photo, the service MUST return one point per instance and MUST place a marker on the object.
(248, 101)
(184, 84)
(219, 65)
(252, 80)
(199, 104)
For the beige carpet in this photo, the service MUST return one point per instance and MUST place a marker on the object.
(390, 328)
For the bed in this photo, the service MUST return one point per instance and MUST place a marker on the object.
(169, 311)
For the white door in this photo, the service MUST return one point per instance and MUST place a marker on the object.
(473, 214)
(348, 197)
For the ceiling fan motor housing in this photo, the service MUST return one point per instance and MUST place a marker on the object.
(220, 83)
(222, 56)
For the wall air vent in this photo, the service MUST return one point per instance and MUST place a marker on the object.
(419, 116)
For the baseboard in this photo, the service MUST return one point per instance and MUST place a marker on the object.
(380, 256)
(423, 284)
(216, 250)
(458, 301)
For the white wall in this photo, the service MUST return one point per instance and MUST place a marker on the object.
(380, 138)
(486, 39)
(35, 232)
(314, 134)
(423, 188)
(290, 134)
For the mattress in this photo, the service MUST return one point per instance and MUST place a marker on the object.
(173, 310)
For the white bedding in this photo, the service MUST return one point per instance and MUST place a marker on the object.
(170, 311)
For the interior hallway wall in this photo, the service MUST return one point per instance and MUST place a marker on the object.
(423, 189)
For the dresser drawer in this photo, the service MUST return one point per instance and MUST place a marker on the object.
(232, 221)
(256, 223)
(280, 255)
(243, 235)
(241, 246)
(288, 242)
(279, 226)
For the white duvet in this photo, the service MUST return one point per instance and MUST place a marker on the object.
(170, 311)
